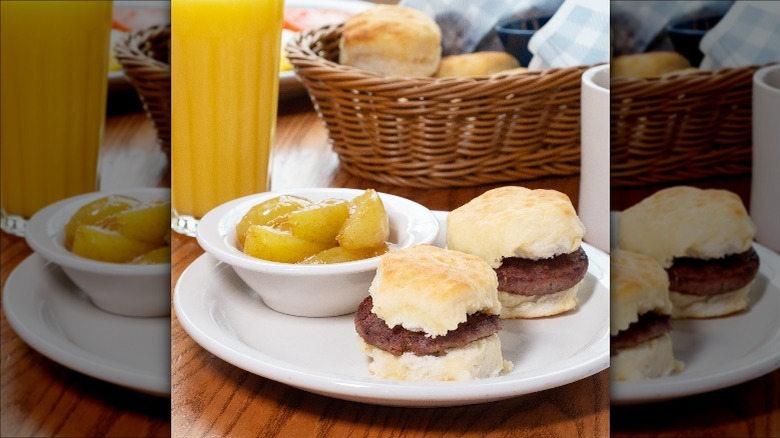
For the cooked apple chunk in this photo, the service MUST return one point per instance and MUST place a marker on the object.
(338, 254)
(148, 222)
(275, 245)
(267, 211)
(367, 225)
(155, 256)
(96, 243)
(320, 222)
(292, 229)
(97, 211)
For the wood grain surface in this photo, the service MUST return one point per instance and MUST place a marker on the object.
(39, 396)
(213, 398)
(751, 409)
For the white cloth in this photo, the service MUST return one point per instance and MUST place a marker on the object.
(468, 25)
(749, 34)
(639, 27)
(578, 34)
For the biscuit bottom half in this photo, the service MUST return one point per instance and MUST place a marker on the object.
(709, 306)
(537, 306)
(479, 359)
(650, 359)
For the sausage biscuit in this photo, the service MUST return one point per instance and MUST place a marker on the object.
(432, 314)
(640, 345)
(703, 238)
(532, 238)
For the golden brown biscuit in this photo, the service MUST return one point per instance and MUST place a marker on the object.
(534, 225)
(391, 40)
(475, 64)
(646, 65)
(542, 223)
(695, 234)
(639, 286)
(686, 221)
(430, 289)
(428, 292)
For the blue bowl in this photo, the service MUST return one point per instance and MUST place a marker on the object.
(687, 34)
(515, 34)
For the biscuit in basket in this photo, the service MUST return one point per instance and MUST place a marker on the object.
(647, 65)
(475, 64)
(392, 41)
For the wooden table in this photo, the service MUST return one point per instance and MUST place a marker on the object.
(213, 398)
(43, 398)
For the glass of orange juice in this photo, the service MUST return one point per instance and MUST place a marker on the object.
(53, 85)
(224, 90)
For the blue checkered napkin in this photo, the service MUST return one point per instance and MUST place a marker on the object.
(749, 34)
(578, 34)
(637, 25)
(467, 25)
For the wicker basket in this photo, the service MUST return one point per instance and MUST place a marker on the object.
(144, 55)
(450, 132)
(681, 127)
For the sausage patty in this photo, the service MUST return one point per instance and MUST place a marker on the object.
(650, 325)
(715, 276)
(542, 277)
(398, 340)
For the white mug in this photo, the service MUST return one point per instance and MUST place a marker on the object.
(765, 189)
(593, 208)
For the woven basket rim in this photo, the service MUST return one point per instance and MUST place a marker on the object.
(300, 50)
(150, 76)
(702, 83)
(441, 132)
(698, 76)
(128, 48)
(681, 127)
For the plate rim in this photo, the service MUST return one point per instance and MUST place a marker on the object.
(580, 365)
(672, 387)
(19, 304)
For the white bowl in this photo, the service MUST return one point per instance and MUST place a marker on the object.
(124, 289)
(310, 290)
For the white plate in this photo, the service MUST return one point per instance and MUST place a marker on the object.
(322, 355)
(719, 352)
(289, 85)
(50, 314)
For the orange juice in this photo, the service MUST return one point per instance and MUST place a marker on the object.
(225, 73)
(53, 84)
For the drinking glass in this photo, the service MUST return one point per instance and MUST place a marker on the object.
(225, 83)
(53, 85)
